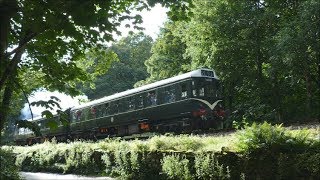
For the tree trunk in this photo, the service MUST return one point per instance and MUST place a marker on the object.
(5, 105)
(309, 92)
(277, 100)
(9, 88)
(7, 9)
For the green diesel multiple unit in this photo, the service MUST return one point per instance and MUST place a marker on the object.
(185, 102)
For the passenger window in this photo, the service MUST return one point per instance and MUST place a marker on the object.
(115, 108)
(86, 114)
(131, 104)
(78, 115)
(74, 116)
(152, 98)
(169, 95)
(99, 111)
(140, 101)
(93, 112)
(184, 91)
(106, 109)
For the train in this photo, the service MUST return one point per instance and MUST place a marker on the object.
(182, 103)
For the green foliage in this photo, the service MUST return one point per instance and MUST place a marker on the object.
(262, 151)
(131, 52)
(8, 169)
(176, 143)
(176, 167)
(79, 159)
(30, 125)
(273, 138)
(48, 39)
(266, 54)
(167, 57)
(208, 167)
(240, 125)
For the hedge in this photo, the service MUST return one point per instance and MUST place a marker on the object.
(259, 152)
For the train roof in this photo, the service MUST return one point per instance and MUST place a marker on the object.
(196, 73)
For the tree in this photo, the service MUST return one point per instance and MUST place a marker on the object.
(266, 53)
(299, 44)
(167, 56)
(49, 37)
(131, 51)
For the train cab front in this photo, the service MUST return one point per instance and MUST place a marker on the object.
(209, 115)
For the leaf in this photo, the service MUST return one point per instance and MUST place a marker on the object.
(52, 124)
(47, 114)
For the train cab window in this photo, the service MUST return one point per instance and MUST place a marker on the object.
(210, 90)
(152, 98)
(201, 91)
(194, 90)
(194, 93)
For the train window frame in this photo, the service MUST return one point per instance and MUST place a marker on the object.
(184, 90)
(201, 91)
(140, 101)
(131, 103)
(169, 94)
(114, 107)
(93, 112)
(151, 98)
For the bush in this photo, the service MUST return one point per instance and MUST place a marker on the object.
(263, 152)
(176, 167)
(8, 168)
(273, 138)
(208, 167)
(132, 161)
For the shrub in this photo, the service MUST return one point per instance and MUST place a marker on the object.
(8, 168)
(176, 167)
(273, 138)
(208, 167)
(260, 136)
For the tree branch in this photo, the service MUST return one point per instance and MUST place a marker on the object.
(16, 59)
(22, 44)
(26, 97)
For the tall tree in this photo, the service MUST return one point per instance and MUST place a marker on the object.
(132, 51)
(167, 57)
(49, 36)
(265, 52)
(299, 44)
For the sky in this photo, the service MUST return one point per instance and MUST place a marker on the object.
(152, 21)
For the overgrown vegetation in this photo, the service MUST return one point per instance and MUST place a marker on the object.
(8, 169)
(259, 151)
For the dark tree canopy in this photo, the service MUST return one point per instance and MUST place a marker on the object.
(267, 54)
(50, 36)
(131, 51)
